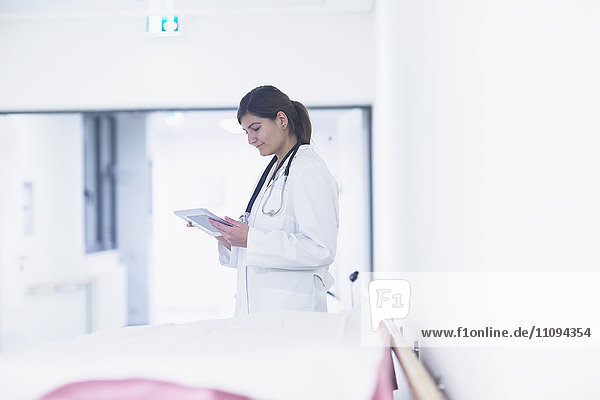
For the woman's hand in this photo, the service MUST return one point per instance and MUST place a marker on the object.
(224, 242)
(236, 235)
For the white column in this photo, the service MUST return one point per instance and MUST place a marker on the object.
(389, 151)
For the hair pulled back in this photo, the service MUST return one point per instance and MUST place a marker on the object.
(266, 101)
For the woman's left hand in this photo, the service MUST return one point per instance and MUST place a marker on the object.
(237, 234)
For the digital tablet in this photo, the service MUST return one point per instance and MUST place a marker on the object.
(199, 218)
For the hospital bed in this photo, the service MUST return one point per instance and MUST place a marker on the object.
(284, 355)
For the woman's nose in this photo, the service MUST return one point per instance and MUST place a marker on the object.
(251, 138)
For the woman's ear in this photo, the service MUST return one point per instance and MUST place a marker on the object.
(282, 119)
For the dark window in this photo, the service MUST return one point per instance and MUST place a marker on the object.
(100, 185)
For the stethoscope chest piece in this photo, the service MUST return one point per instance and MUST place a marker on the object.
(244, 218)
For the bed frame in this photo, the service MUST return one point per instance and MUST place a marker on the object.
(422, 384)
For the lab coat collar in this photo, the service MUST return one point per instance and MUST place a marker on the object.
(301, 149)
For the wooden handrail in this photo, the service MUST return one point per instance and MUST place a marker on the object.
(420, 381)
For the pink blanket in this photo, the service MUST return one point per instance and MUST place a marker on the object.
(136, 389)
(143, 389)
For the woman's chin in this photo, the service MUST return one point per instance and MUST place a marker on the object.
(263, 151)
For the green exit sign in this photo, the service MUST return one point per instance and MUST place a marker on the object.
(162, 25)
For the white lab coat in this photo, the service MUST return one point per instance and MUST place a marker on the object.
(286, 261)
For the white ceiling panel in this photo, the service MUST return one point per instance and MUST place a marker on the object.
(106, 8)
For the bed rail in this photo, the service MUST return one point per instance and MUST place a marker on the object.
(422, 385)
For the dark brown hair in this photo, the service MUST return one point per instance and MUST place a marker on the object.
(266, 101)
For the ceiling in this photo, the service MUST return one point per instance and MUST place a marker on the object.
(104, 8)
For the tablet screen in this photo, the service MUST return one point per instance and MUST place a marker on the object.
(202, 220)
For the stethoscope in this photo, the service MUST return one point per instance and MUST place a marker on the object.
(272, 212)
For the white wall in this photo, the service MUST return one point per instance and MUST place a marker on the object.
(97, 63)
(485, 113)
(485, 142)
(12, 294)
(50, 157)
(46, 152)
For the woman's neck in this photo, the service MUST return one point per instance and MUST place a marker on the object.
(285, 149)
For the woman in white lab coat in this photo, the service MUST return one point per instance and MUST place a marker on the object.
(283, 245)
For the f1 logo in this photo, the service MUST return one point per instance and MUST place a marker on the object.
(388, 298)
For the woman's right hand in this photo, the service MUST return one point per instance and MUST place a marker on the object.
(224, 242)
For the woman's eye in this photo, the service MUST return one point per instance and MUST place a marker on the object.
(256, 129)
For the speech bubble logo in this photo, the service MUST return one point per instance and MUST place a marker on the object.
(388, 298)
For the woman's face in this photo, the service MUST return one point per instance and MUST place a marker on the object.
(267, 135)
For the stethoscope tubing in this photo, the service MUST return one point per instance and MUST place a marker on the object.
(272, 212)
(244, 217)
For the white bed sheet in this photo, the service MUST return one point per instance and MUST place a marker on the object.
(284, 355)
